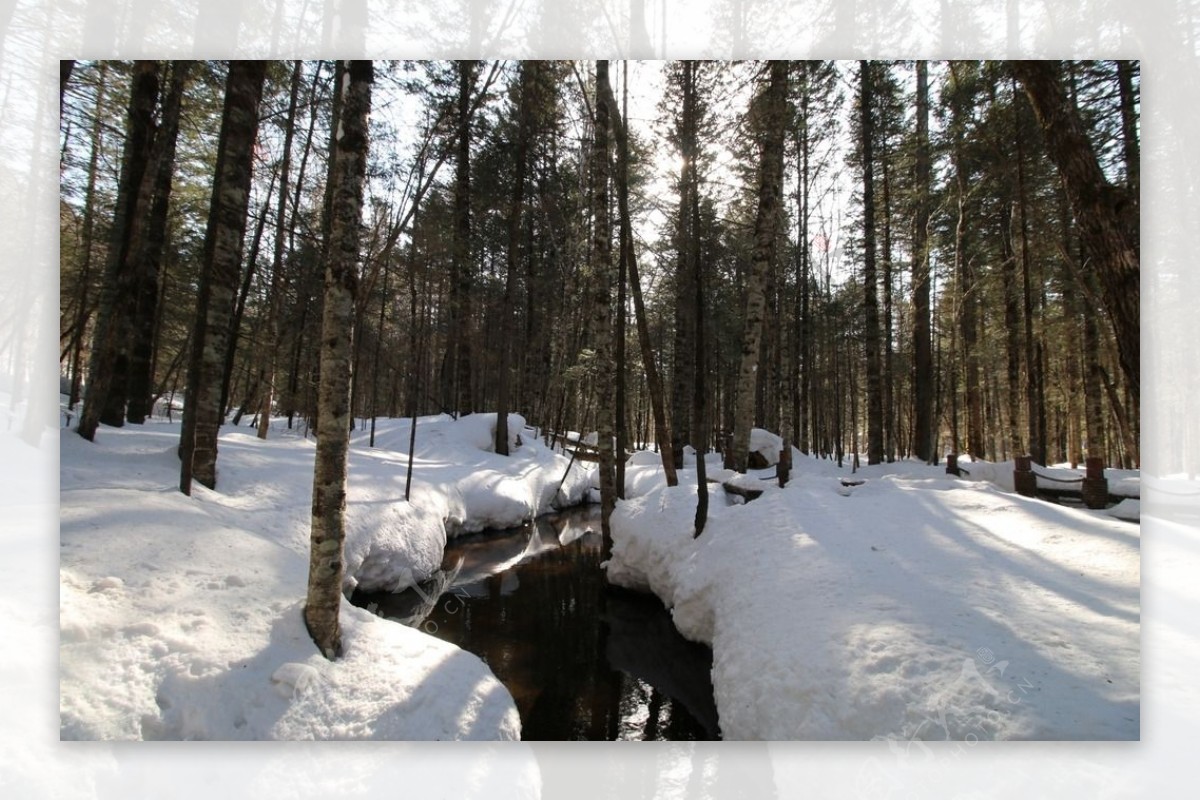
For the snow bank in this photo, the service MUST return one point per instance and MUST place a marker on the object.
(766, 444)
(180, 617)
(460, 485)
(914, 606)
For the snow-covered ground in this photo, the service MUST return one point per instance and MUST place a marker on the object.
(915, 606)
(181, 617)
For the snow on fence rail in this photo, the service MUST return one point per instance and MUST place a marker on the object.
(1093, 487)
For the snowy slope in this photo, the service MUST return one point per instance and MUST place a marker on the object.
(915, 606)
(181, 617)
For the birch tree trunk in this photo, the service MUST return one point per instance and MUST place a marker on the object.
(773, 111)
(328, 533)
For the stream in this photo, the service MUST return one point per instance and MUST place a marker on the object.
(583, 660)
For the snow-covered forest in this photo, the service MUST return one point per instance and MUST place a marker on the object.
(846, 353)
(948, 293)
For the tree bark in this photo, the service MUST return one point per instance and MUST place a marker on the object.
(347, 172)
(457, 376)
(773, 109)
(83, 309)
(871, 330)
(602, 303)
(275, 302)
(530, 78)
(1106, 217)
(219, 274)
(923, 381)
(683, 363)
(105, 398)
(654, 385)
(148, 260)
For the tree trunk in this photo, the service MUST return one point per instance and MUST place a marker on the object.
(239, 308)
(653, 380)
(457, 376)
(773, 107)
(1012, 331)
(871, 332)
(683, 363)
(83, 309)
(1130, 148)
(602, 304)
(1036, 435)
(148, 260)
(105, 399)
(275, 302)
(923, 380)
(219, 274)
(889, 411)
(1106, 217)
(530, 78)
(347, 172)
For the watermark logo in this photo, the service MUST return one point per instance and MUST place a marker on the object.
(963, 711)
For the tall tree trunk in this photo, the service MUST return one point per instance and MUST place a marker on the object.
(602, 303)
(802, 401)
(1036, 435)
(219, 274)
(105, 399)
(530, 78)
(622, 316)
(239, 307)
(683, 362)
(923, 380)
(772, 104)
(148, 261)
(347, 172)
(1106, 217)
(871, 332)
(456, 389)
(1012, 331)
(1130, 148)
(653, 379)
(275, 302)
(889, 411)
(83, 308)
(700, 403)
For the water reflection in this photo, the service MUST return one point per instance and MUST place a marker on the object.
(583, 661)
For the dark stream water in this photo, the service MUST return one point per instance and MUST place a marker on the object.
(583, 660)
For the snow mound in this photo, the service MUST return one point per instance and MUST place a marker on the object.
(180, 618)
(766, 444)
(921, 606)
(1129, 509)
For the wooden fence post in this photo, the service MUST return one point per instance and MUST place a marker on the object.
(1023, 476)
